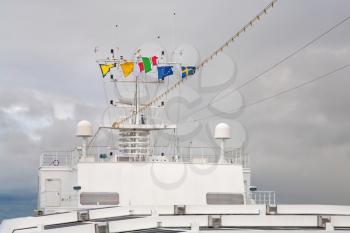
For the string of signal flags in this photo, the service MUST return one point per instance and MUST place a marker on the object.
(146, 65)
(232, 39)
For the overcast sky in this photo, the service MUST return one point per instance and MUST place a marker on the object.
(298, 143)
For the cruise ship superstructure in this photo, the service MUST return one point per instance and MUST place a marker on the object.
(129, 182)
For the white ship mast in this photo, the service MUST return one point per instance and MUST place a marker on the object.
(134, 136)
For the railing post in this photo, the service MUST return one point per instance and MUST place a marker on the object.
(260, 198)
(202, 156)
(271, 198)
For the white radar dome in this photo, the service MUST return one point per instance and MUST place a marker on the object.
(222, 131)
(84, 129)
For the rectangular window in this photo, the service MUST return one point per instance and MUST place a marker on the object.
(225, 199)
(99, 198)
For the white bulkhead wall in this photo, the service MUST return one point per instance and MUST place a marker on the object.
(160, 183)
(56, 188)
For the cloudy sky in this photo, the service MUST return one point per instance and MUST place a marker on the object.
(298, 143)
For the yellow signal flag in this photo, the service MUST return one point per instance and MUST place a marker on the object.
(105, 68)
(127, 68)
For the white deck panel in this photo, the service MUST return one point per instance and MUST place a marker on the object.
(202, 221)
(168, 210)
(340, 221)
(226, 209)
(159, 210)
(130, 210)
(273, 231)
(109, 212)
(269, 221)
(132, 224)
(86, 228)
(183, 220)
(28, 222)
(314, 209)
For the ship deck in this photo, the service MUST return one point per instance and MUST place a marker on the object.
(180, 218)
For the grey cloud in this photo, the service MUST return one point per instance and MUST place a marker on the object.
(20, 152)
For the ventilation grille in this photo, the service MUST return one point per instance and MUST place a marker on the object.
(225, 199)
(99, 198)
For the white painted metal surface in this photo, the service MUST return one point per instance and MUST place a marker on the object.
(16, 224)
(314, 209)
(160, 183)
(203, 218)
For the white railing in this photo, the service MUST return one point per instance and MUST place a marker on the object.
(262, 198)
(56, 159)
(159, 154)
(237, 156)
(168, 154)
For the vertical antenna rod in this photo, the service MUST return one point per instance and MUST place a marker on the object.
(205, 61)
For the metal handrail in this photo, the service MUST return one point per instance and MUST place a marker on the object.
(193, 154)
(262, 197)
(56, 159)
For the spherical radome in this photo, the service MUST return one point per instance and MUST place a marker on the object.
(84, 129)
(222, 131)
